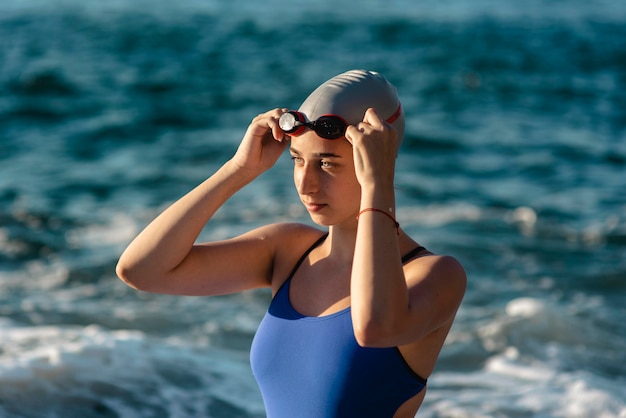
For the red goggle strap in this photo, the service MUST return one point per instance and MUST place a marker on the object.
(395, 115)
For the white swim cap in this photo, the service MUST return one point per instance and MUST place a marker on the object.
(350, 94)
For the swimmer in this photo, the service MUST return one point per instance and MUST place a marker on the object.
(359, 310)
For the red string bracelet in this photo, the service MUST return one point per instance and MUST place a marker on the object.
(384, 213)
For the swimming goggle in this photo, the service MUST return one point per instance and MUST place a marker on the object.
(326, 126)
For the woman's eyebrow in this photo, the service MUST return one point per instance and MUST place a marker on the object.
(318, 155)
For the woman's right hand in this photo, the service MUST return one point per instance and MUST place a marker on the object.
(262, 144)
(164, 257)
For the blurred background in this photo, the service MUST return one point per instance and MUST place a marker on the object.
(514, 161)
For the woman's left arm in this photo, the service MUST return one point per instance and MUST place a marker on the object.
(392, 304)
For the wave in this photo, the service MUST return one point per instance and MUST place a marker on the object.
(533, 358)
(94, 372)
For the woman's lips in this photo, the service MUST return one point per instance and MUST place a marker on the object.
(313, 207)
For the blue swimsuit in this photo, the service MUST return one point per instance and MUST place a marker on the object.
(313, 367)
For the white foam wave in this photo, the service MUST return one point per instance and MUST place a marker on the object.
(90, 371)
(539, 326)
(436, 215)
(522, 391)
(533, 358)
(119, 229)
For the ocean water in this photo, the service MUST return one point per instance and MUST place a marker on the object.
(514, 161)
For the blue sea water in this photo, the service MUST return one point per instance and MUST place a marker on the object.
(514, 161)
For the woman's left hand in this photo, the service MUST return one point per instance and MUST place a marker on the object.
(374, 145)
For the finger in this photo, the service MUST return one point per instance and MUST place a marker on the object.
(371, 118)
(273, 126)
(351, 132)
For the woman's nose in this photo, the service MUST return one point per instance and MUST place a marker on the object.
(307, 180)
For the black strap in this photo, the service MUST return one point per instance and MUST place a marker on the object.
(307, 252)
(415, 251)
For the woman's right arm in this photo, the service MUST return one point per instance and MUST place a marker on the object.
(163, 258)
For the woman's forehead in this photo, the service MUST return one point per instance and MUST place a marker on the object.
(310, 143)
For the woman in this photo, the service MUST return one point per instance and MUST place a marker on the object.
(359, 313)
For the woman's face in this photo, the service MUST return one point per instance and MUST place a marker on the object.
(325, 178)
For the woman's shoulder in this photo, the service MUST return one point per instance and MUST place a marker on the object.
(293, 239)
(290, 241)
(287, 234)
(441, 273)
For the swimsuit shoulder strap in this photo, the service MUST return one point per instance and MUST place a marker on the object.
(415, 251)
(306, 253)
(408, 256)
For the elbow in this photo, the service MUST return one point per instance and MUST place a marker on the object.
(126, 274)
(141, 277)
(373, 334)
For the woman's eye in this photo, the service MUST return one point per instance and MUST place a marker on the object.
(326, 164)
(296, 160)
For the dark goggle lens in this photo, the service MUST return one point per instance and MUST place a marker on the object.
(327, 127)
